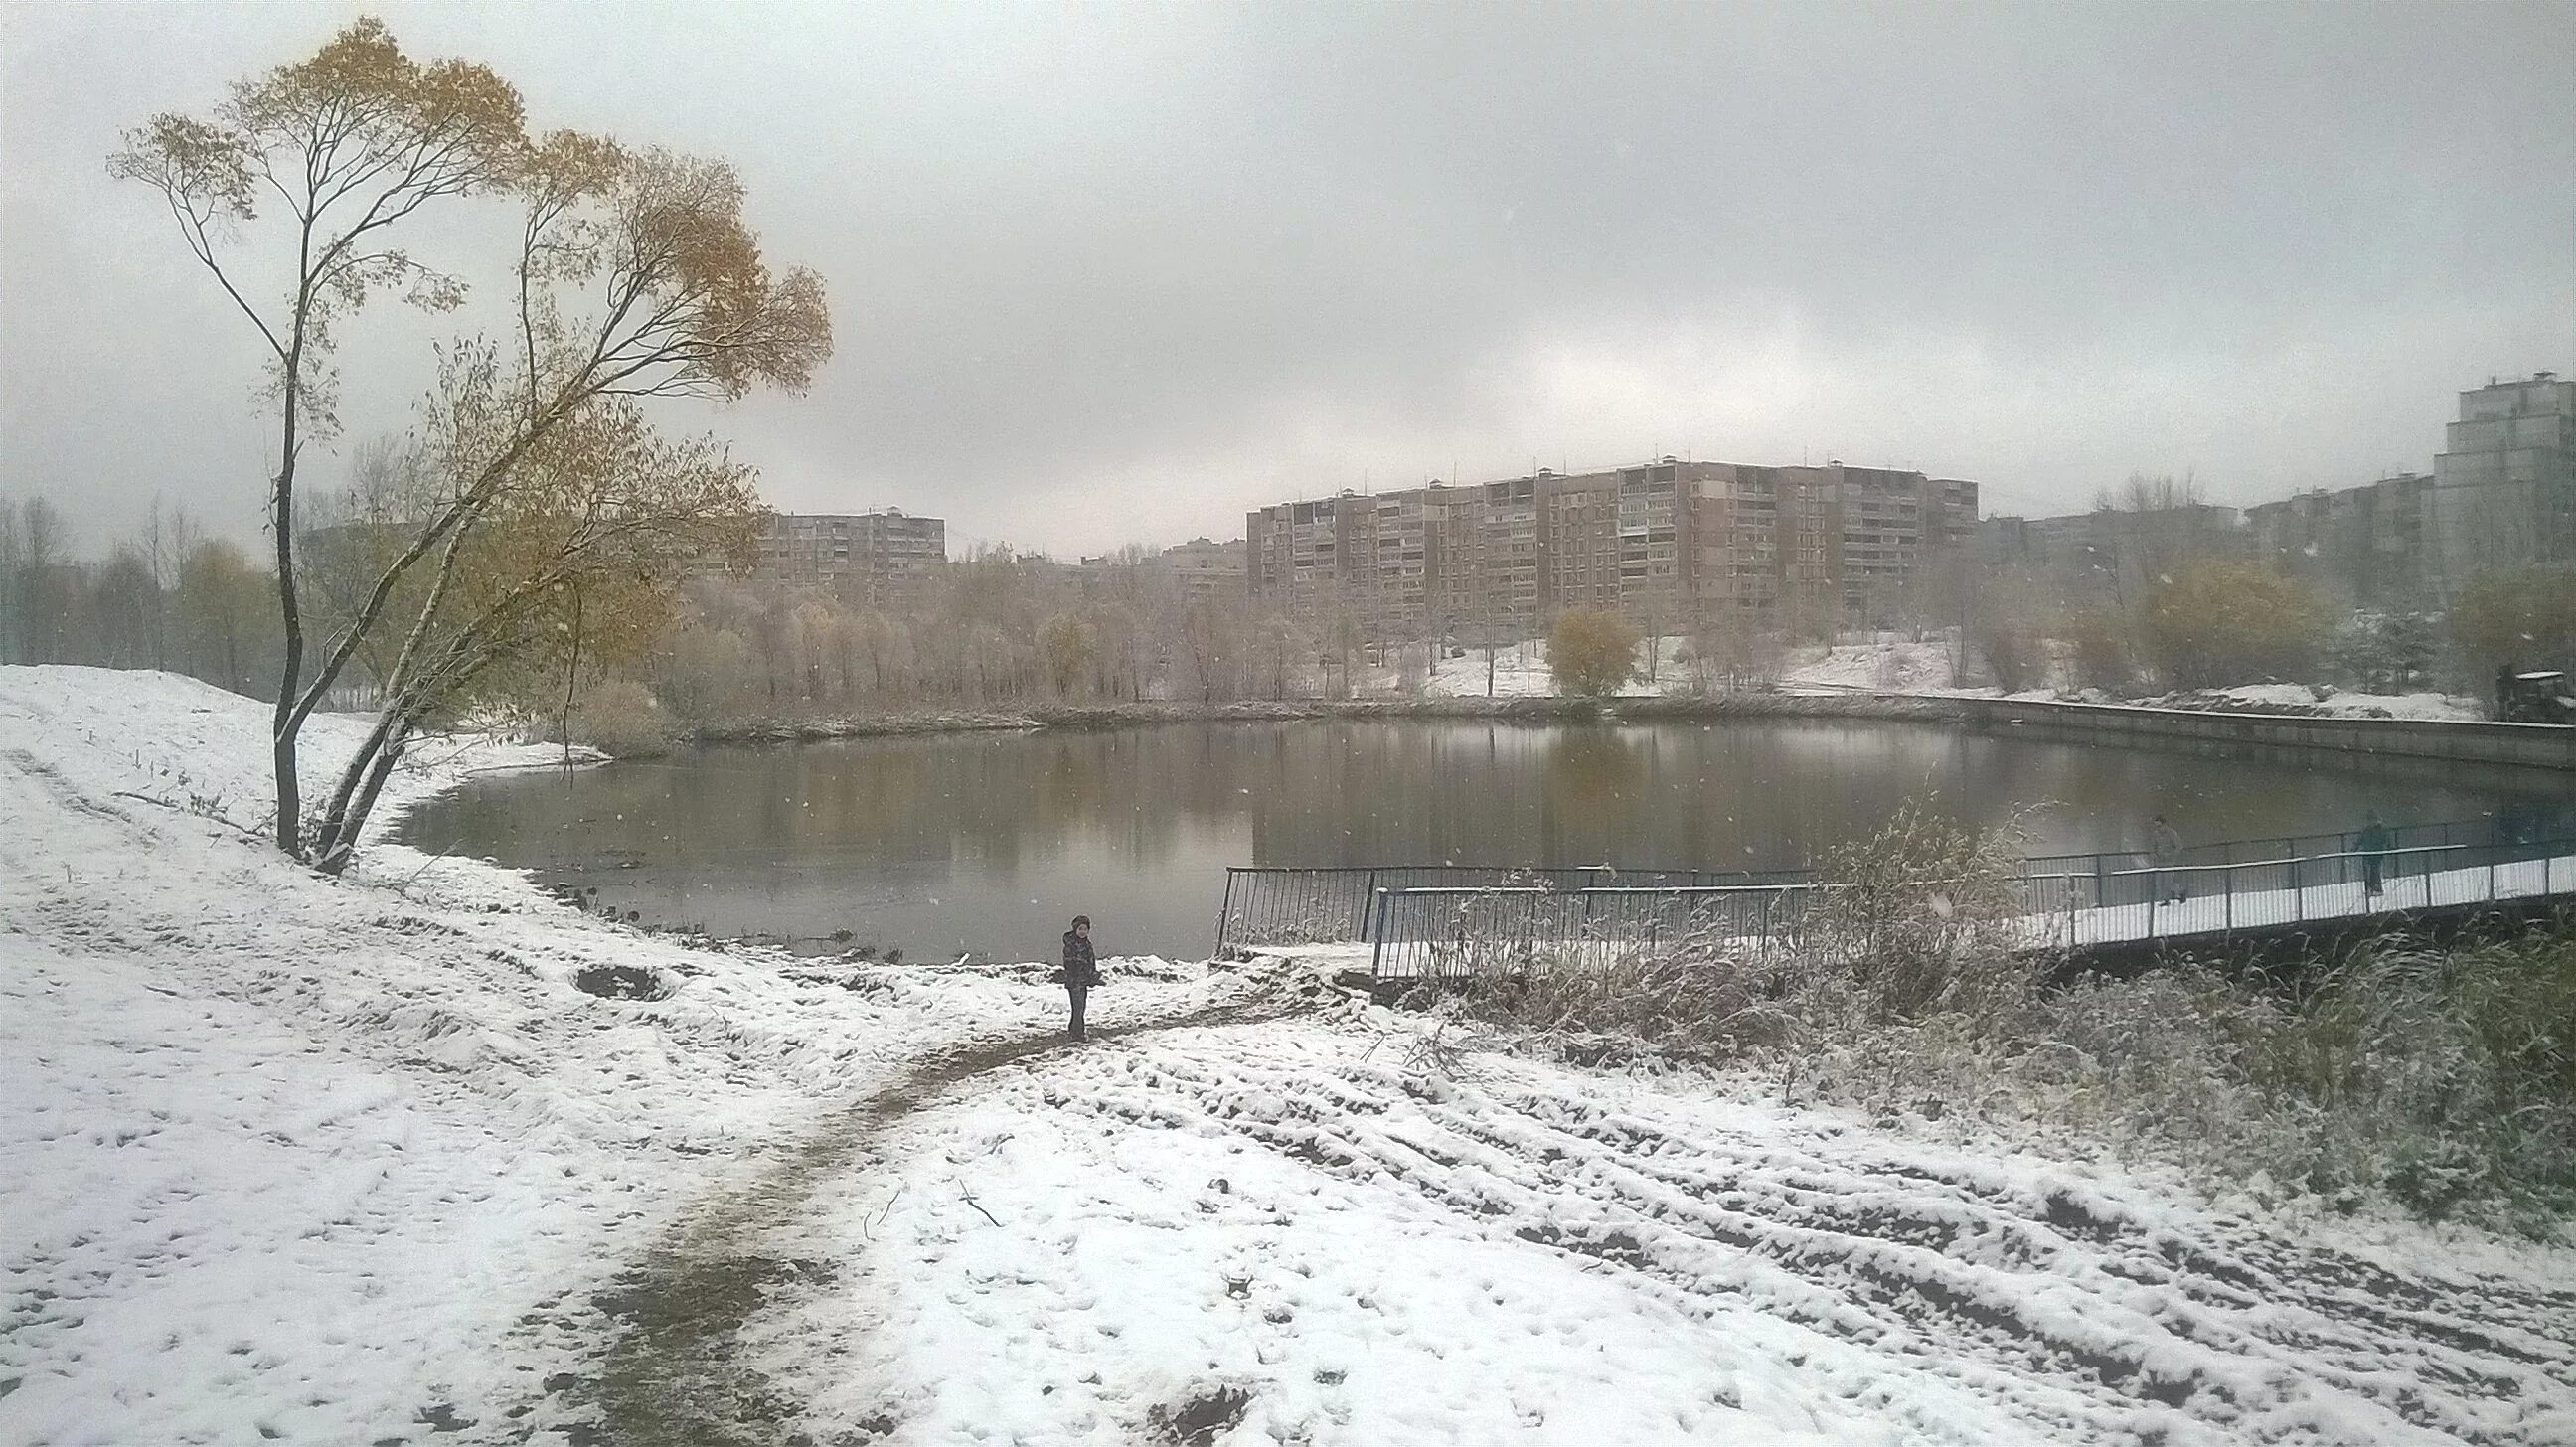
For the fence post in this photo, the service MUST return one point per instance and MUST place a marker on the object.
(1368, 901)
(1225, 914)
(1377, 949)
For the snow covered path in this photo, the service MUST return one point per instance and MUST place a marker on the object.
(674, 1377)
(1289, 1227)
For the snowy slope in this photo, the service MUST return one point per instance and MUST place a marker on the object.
(339, 1161)
(355, 1161)
(1369, 1252)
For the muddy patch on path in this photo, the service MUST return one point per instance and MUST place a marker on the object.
(670, 1377)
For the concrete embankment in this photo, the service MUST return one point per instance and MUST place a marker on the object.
(1126, 715)
(2444, 743)
(2514, 745)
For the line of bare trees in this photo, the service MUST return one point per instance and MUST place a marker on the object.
(164, 596)
(994, 629)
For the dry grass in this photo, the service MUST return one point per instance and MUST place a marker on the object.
(2443, 1080)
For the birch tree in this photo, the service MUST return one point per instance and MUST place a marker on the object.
(349, 145)
(635, 277)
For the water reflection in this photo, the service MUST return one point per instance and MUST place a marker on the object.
(988, 842)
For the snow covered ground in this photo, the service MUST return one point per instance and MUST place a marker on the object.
(1522, 671)
(326, 1161)
(1876, 663)
(1902, 663)
(1346, 1247)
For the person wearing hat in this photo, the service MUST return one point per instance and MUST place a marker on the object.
(1081, 968)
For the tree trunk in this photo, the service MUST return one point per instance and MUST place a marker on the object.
(342, 848)
(284, 724)
(288, 722)
(572, 673)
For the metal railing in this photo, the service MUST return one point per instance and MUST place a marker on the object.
(1286, 905)
(1277, 905)
(1442, 931)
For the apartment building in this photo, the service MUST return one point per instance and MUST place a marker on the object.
(2504, 485)
(866, 552)
(1667, 542)
(1206, 568)
(1201, 567)
(2366, 542)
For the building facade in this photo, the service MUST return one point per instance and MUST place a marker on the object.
(1205, 568)
(2366, 542)
(2112, 553)
(1669, 543)
(868, 553)
(2504, 486)
(1200, 569)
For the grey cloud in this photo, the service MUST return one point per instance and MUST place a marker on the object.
(1113, 272)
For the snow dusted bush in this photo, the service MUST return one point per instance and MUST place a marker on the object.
(1916, 920)
(2444, 1080)
(1684, 1002)
(1912, 931)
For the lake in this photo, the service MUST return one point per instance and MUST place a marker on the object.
(989, 842)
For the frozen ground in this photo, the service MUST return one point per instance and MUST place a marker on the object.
(343, 1161)
(1297, 1227)
(313, 1161)
(1521, 671)
(1902, 663)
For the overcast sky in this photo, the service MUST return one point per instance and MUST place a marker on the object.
(1105, 273)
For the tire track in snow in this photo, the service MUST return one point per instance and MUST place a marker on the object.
(2070, 1309)
(669, 1378)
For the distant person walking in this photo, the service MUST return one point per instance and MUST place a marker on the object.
(2164, 850)
(1081, 968)
(2373, 842)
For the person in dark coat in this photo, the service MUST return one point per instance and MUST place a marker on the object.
(1081, 968)
(2164, 847)
(2373, 845)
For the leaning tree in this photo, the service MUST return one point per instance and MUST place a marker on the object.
(535, 482)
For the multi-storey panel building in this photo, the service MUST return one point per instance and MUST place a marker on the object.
(2367, 542)
(1205, 568)
(865, 552)
(1667, 542)
(2504, 486)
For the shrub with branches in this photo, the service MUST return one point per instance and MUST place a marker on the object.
(1593, 652)
(2215, 623)
(2445, 1079)
(1920, 918)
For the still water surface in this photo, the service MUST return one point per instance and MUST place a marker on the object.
(989, 842)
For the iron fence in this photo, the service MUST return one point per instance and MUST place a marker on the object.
(1277, 905)
(1443, 931)
(1285, 905)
